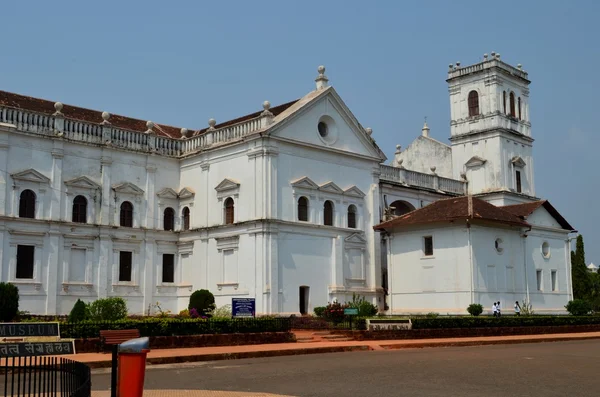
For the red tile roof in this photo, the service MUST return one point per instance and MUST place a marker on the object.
(454, 209)
(526, 209)
(23, 102)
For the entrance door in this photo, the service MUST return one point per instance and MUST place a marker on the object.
(304, 299)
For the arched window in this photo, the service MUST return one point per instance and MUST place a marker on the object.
(519, 106)
(512, 104)
(303, 209)
(185, 214)
(401, 207)
(473, 103)
(169, 219)
(27, 204)
(504, 100)
(229, 211)
(126, 214)
(352, 216)
(328, 213)
(80, 209)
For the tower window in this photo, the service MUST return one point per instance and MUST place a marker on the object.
(428, 245)
(27, 204)
(79, 214)
(169, 219)
(519, 106)
(185, 214)
(473, 103)
(303, 209)
(126, 214)
(504, 100)
(512, 104)
(352, 216)
(518, 181)
(328, 213)
(229, 211)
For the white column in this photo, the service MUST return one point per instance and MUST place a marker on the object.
(106, 215)
(56, 194)
(53, 249)
(149, 220)
(3, 260)
(147, 277)
(4, 176)
(373, 243)
(104, 264)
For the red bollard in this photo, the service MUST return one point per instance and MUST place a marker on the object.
(132, 368)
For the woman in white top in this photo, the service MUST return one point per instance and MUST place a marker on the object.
(517, 309)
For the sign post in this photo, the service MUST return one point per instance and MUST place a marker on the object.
(33, 339)
(350, 312)
(243, 307)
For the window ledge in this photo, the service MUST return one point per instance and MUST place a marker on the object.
(428, 257)
(33, 283)
(234, 285)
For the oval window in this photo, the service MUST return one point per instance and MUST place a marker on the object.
(323, 129)
(546, 249)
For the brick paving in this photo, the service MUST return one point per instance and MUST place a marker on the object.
(170, 356)
(194, 393)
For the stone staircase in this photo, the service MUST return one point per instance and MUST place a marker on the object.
(319, 336)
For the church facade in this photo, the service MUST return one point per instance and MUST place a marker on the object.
(287, 205)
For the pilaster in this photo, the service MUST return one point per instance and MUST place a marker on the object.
(4, 176)
(149, 220)
(104, 263)
(56, 182)
(53, 250)
(148, 280)
(105, 216)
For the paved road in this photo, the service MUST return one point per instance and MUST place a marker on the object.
(542, 369)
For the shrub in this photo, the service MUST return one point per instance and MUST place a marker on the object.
(203, 301)
(185, 313)
(579, 307)
(320, 310)
(432, 315)
(505, 321)
(79, 312)
(107, 309)
(365, 308)
(475, 309)
(335, 312)
(527, 308)
(9, 302)
(222, 312)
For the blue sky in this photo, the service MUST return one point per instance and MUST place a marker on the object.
(183, 62)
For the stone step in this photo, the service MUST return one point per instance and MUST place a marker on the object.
(335, 337)
(321, 333)
(305, 340)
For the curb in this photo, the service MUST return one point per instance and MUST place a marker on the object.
(235, 356)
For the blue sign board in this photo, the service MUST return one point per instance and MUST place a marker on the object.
(243, 307)
(350, 312)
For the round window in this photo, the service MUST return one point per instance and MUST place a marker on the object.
(498, 245)
(323, 129)
(546, 249)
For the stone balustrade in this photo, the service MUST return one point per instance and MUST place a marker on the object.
(422, 180)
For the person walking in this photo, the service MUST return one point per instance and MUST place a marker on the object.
(498, 309)
(495, 310)
(517, 309)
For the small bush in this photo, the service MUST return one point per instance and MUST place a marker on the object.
(432, 315)
(320, 310)
(9, 302)
(504, 321)
(185, 313)
(335, 312)
(579, 307)
(222, 312)
(79, 312)
(365, 308)
(203, 301)
(107, 309)
(475, 309)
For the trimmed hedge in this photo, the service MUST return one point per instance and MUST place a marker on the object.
(176, 327)
(512, 321)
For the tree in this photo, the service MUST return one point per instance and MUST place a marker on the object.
(9, 302)
(79, 312)
(582, 283)
(203, 301)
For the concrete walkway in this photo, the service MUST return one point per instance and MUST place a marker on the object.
(170, 356)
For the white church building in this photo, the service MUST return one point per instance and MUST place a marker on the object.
(291, 205)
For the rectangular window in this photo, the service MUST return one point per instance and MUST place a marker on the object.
(428, 245)
(77, 265)
(125, 258)
(168, 270)
(25, 258)
(518, 180)
(554, 281)
(538, 275)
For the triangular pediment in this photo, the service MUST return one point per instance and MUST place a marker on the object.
(82, 182)
(330, 187)
(475, 161)
(31, 175)
(127, 188)
(167, 193)
(300, 123)
(186, 192)
(354, 192)
(305, 183)
(355, 238)
(227, 184)
(518, 161)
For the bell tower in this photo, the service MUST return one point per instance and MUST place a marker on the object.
(490, 132)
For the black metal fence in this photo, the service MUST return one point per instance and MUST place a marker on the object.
(309, 322)
(177, 327)
(44, 376)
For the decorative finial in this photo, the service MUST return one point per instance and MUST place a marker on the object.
(450, 66)
(519, 66)
(493, 54)
(321, 79)
(58, 107)
(150, 126)
(184, 133)
(369, 131)
(485, 56)
(433, 168)
(266, 105)
(398, 149)
(105, 117)
(458, 64)
(211, 124)
(498, 56)
(425, 129)
(463, 175)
